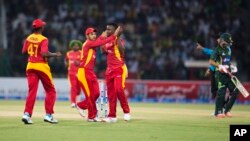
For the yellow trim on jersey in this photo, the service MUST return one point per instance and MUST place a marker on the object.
(124, 75)
(90, 54)
(68, 54)
(43, 67)
(68, 61)
(82, 50)
(35, 38)
(117, 52)
(82, 78)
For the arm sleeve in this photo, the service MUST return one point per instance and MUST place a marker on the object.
(100, 41)
(25, 46)
(214, 56)
(212, 68)
(207, 51)
(44, 46)
(121, 45)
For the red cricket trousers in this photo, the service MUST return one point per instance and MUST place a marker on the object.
(89, 84)
(115, 81)
(33, 77)
(75, 88)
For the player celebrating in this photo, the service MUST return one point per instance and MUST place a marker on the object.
(115, 76)
(221, 59)
(36, 45)
(72, 61)
(86, 75)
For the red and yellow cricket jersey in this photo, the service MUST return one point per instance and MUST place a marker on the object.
(115, 58)
(35, 45)
(88, 56)
(73, 57)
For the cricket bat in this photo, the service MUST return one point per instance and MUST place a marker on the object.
(239, 86)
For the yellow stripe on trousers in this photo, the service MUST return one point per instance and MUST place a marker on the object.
(43, 67)
(124, 75)
(82, 78)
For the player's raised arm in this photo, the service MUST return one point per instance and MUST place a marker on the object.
(101, 40)
(204, 50)
(118, 31)
(121, 45)
(199, 46)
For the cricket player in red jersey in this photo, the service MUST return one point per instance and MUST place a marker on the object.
(116, 74)
(72, 61)
(36, 45)
(86, 75)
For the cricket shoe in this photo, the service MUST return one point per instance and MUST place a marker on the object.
(93, 120)
(127, 117)
(26, 118)
(109, 120)
(73, 105)
(80, 111)
(49, 118)
(228, 114)
(220, 116)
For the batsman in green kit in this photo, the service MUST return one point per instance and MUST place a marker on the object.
(221, 59)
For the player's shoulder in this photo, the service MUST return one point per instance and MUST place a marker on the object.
(85, 43)
(36, 37)
(218, 49)
(69, 52)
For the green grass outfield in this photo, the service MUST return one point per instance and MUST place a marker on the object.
(151, 122)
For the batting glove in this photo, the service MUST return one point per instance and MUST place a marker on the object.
(223, 68)
(233, 69)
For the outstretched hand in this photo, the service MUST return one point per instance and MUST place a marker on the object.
(58, 54)
(104, 34)
(118, 31)
(199, 46)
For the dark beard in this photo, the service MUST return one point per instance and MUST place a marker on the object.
(223, 46)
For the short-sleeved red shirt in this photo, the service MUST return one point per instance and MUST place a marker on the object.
(73, 57)
(35, 45)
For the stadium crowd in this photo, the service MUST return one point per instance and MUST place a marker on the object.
(160, 34)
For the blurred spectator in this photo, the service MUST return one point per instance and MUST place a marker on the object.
(4, 64)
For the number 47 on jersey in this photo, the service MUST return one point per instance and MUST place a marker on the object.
(32, 50)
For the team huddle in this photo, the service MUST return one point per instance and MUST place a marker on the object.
(80, 72)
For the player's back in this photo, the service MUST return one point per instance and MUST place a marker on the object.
(35, 45)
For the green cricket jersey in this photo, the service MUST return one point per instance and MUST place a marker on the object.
(222, 55)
